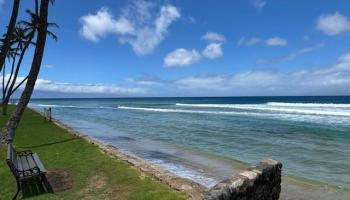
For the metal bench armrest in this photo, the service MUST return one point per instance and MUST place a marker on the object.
(24, 152)
(35, 171)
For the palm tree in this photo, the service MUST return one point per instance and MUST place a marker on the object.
(12, 124)
(11, 55)
(22, 40)
(24, 36)
(10, 28)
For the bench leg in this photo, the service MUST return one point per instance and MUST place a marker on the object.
(18, 189)
(45, 183)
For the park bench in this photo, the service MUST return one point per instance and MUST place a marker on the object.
(25, 166)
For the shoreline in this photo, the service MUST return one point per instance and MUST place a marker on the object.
(293, 187)
(192, 189)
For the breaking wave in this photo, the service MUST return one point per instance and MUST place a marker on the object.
(167, 110)
(304, 109)
(309, 105)
(70, 106)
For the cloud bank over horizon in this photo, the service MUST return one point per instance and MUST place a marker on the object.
(332, 79)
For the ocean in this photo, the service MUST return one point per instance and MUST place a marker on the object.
(209, 139)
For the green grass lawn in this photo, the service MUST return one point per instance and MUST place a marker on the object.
(94, 174)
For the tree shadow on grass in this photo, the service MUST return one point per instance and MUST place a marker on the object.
(49, 144)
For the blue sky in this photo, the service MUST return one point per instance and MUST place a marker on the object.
(195, 48)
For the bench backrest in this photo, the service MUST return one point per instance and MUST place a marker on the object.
(11, 153)
(12, 158)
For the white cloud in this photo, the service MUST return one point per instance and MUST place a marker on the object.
(333, 24)
(146, 80)
(226, 82)
(213, 37)
(306, 38)
(191, 20)
(276, 41)
(201, 82)
(181, 58)
(249, 41)
(140, 25)
(49, 66)
(49, 86)
(43, 85)
(148, 37)
(259, 4)
(97, 26)
(213, 51)
(291, 55)
(330, 80)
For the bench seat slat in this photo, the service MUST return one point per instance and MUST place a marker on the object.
(38, 162)
(25, 162)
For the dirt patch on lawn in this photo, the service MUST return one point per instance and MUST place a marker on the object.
(96, 182)
(98, 188)
(59, 180)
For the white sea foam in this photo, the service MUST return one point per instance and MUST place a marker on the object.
(269, 109)
(213, 105)
(53, 106)
(70, 106)
(185, 172)
(167, 110)
(308, 105)
(277, 107)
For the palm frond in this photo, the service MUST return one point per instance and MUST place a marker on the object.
(52, 35)
(54, 25)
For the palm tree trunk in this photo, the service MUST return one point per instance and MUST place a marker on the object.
(12, 124)
(10, 88)
(11, 27)
(3, 82)
(4, 105)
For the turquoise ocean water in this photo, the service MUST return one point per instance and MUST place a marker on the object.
(208, 139)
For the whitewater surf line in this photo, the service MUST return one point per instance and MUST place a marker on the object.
(264, 107)
(308, 105)
(71, 106)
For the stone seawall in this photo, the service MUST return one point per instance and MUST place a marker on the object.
(262, 182)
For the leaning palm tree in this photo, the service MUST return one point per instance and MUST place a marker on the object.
(22, 40)
(25, 34)
(8, 36)
(30, 27)
(11, 56)
(12, 124)
(13, 53)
